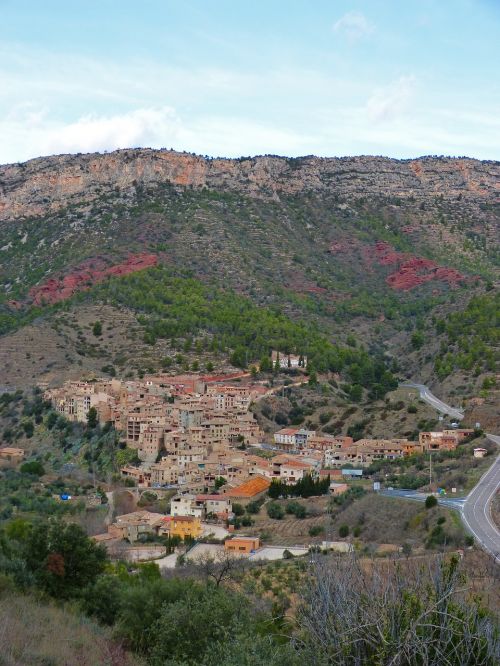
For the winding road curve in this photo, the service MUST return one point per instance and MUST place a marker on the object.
(431, 399)
(476, 508)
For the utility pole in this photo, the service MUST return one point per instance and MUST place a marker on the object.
(93, 464)
(430, 470)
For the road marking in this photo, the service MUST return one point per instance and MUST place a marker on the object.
(476, 496)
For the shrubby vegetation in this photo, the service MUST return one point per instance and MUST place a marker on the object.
(409, 615)
(306, 487)
(178, 306)
(24, 415)
(471, 337)
(20, 492)
(197, 618)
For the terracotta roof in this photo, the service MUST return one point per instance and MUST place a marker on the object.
(250, 488)
(297, 464)
(281, 458)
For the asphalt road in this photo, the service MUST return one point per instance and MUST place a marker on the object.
(451, 502)
(431, 399)
(475, 509)
(476, 512)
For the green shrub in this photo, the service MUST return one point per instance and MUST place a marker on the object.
(33, 467)
(430, 501)
(316, 530)
(254, 506)
(298, 510)
(238, 509)
(275, 511)
(343, 531)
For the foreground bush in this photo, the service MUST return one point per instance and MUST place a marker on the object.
(391, 614)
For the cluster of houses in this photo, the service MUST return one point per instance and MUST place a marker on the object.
(191, 433)
(131, 528)
(342, 450)
(186, 429)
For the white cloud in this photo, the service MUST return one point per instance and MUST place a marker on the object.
(136, 128)
(354, 25)
(146, 127)
(391, 101)
(156, 127)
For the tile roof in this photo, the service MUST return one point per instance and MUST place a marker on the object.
(297, 464)
(250, 488)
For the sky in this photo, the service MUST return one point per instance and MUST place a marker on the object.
(250, 77)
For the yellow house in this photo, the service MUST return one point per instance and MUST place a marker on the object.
(182, 526)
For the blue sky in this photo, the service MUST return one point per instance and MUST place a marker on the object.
(230, 78)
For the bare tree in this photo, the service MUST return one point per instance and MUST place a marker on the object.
(393, 614)
(223, 567)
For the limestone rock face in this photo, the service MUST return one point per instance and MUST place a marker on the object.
(47, 184)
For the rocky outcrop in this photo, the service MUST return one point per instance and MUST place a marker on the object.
(412, 271)
(47, 184)
(86, 275)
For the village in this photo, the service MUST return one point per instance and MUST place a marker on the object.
(196, 438)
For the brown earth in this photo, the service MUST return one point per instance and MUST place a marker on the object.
(36, 632)
(411, 271)
(85, 275)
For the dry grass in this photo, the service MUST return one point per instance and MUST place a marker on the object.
(40, 634)
(290, 531)
(392, 520)
(379, 520)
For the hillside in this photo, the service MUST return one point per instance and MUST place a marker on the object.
(370, 250)
(33, 632)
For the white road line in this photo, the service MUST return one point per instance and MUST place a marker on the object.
(482, 495)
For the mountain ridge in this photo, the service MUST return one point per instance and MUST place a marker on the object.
(46, 184)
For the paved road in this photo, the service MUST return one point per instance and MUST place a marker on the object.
(476, 512)
(475, 509)
(431, 399)
(451, 502)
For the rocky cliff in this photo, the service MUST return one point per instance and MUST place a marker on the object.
(47, 184)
